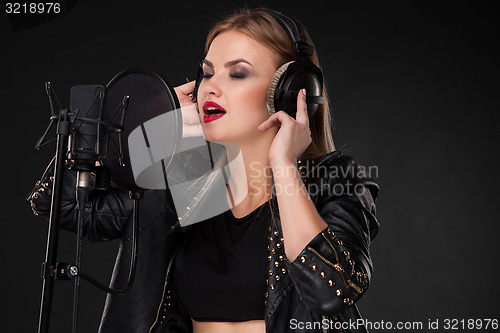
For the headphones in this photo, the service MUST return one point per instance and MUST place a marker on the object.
(291, 77)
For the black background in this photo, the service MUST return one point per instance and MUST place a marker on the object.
(414, 89)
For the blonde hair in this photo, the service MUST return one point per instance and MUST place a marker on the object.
(260, 25)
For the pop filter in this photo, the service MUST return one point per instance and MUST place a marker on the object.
(149, 96)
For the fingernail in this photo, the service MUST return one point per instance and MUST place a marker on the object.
(304, 91)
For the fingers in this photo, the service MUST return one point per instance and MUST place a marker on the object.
(302, 116)
(280, 117)
(186, 88)
(275, 120)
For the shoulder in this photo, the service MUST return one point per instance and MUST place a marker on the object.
(335, 175)
(337, 168)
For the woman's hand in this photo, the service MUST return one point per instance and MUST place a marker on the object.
(191, 125)
(294, 135)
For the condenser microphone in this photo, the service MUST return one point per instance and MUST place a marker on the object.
(87, 135)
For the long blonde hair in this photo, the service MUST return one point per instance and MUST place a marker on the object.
(260, 25)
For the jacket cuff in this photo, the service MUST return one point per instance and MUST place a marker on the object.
(41, 195)
(324, 275)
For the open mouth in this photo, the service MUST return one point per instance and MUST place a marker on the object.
(213, 111)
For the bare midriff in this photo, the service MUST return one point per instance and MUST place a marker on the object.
(250, 326)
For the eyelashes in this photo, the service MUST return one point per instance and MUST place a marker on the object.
(238, 75)
(234, 75)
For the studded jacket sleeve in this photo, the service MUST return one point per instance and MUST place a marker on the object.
(334, 269)
(104, 218)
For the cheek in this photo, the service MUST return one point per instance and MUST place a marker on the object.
(252, 100)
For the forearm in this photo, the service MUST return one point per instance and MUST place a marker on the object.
(104, 218)
(300, 220)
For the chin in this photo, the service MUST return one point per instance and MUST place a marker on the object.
(213, 135)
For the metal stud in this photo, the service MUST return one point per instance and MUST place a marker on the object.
(278, 245)
(276, 233)
(346, 253)
(322, 275)
(269, 258)
(273, 250)
(338, 292)
(35, 196)
(339, 241)
(276, 263)
(270, 272)
(266, 295)
(278, 278)
(351, 262)
(331, 283)
(281, 258)
(272, 286)
(347, 300)
(314, 268)
(283, 270)
(303, 259)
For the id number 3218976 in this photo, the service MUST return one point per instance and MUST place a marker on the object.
(32, 7)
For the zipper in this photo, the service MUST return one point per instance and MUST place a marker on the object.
(159, 307)
(158, 313)
(336, 266)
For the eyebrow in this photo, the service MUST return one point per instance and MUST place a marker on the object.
(227, 64)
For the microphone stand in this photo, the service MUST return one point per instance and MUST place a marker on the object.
(50, 271)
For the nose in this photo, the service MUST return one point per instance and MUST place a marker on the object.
(210, 87)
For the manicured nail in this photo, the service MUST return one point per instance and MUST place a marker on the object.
(304, 91)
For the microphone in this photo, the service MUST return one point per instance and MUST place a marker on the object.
(87, 137)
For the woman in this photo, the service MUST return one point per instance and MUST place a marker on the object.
(292, 251)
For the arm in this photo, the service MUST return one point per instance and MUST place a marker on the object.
(334, 269)
(106, 213)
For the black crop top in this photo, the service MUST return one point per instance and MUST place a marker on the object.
(219, 273)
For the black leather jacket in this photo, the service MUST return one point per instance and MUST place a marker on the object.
(317, 290)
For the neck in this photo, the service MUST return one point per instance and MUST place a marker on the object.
(250, 177)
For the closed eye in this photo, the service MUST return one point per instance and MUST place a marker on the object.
(238, 75)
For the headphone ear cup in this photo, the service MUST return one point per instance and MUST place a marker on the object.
(286, 83)
(270, 98)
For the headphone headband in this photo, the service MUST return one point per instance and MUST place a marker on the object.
(299, 45)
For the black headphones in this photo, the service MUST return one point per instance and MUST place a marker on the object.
(291, 77)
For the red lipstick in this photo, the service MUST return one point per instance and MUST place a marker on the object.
(212, 111)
